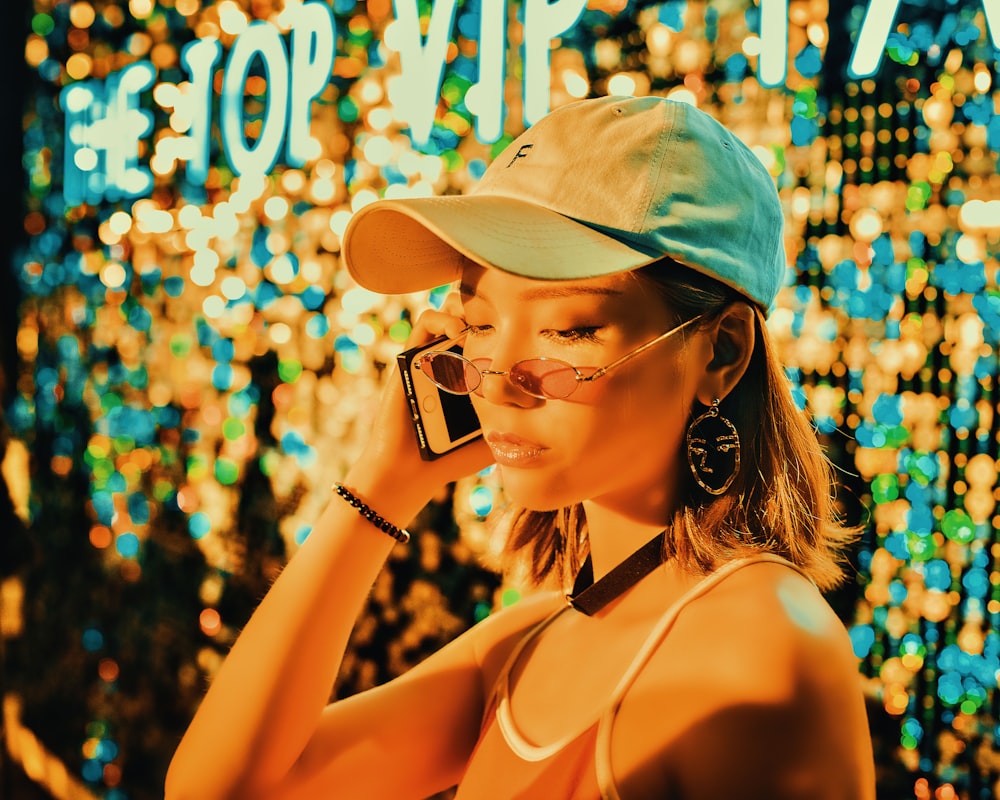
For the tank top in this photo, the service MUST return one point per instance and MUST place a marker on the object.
(505, 766)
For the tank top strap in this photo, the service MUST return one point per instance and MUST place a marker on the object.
(499, 705)
(605, 776)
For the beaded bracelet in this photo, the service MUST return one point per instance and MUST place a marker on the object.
(380, 522)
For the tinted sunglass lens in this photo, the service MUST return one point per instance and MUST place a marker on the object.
(475, 369)
(450, 372)
(473, 379)
(545, 378)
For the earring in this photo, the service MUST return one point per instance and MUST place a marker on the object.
(713, 450)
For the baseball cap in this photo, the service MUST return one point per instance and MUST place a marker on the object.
(595, 187)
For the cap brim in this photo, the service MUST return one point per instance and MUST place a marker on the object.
(401, 246)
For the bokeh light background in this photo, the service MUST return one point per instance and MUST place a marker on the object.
(194, 369)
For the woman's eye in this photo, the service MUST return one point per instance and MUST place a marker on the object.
(478, 330)
(585, 333)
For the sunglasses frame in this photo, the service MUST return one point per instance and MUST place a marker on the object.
(600, 372)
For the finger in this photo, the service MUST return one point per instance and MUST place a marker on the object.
(469, 459)
(453, 305)
(433, 323)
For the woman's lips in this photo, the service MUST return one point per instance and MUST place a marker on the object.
(513, 451)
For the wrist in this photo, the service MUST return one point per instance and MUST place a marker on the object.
(377, 520)
(394, 497)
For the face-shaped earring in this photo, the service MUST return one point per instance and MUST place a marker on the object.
(713, 451)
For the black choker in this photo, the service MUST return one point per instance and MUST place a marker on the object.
(589, 597)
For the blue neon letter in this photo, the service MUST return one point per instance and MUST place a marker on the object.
(877, 24)
(313, 37)
(199, 59)
(772, 64)
(421, 63)
(260, 38)
(543, 21)
(485, 98)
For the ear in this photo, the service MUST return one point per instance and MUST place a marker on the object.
(731, 338)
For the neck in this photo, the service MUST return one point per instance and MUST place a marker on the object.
(616, 533)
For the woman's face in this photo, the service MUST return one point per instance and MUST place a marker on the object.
(617, 440)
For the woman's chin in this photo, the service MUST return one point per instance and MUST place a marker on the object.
(534, 493)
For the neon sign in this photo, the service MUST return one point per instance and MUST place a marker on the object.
(105, 122)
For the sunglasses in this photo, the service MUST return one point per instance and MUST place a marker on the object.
(546, 378)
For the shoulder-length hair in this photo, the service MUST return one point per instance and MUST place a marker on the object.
(781, 501)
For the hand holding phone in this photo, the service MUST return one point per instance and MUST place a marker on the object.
(443, 421)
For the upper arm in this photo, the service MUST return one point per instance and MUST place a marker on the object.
(412, 736)
(778, 750)
(407, 738)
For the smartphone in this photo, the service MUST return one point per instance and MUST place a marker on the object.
(443, 421)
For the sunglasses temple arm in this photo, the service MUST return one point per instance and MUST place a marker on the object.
(629, 356)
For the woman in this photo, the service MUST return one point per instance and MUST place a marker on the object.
(697, 658)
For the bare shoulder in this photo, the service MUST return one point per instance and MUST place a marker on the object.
(494, 638)
(762, 695)
(768, 615)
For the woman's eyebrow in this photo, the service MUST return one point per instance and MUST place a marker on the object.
(547, 292)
